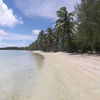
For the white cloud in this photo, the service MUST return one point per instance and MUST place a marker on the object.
(43, 8)
(7, 18)
(2, 32)
(19, 44)
(35, 32)
(17, 39)
(13, 36)
(3, 44)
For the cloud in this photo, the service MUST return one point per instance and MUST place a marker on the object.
(19, 44)
(15, 38)
(2, 32)
(43, 8)
(7, 17)
(35, 32)
(19, 37)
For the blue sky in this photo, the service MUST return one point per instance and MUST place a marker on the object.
(21, 20)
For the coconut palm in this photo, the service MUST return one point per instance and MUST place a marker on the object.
(64, 25)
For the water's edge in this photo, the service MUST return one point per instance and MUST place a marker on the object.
(18, 71)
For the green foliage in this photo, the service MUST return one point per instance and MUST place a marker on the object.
(88, 13)
(82, 35)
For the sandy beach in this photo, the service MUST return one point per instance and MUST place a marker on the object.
(67, 77)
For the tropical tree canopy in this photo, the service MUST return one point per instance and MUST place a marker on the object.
(79, 33)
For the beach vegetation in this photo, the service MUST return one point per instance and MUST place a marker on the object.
(77, 31)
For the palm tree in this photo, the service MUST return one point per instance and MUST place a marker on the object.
(64, 25)
(49, 39)
(41, 33)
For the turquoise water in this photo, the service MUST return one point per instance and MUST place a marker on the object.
(18, 71)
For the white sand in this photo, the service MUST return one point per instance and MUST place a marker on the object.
(67, 77)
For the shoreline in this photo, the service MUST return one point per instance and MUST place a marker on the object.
(67, 77)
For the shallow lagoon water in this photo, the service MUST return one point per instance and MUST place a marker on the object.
(18, 71)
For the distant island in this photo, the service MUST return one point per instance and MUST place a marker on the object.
(14, 48)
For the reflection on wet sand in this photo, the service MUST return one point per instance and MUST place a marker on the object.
(39, 60)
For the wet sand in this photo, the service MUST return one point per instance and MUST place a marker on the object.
(67, 77)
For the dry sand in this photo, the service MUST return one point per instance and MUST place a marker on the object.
(67, 77)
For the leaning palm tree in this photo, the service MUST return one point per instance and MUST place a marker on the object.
(49, 38)
(64, 26)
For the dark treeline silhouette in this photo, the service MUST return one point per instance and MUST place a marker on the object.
(14, 48)
(78, 31)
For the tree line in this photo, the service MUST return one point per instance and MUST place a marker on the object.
(14, 48)
(77, 31)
